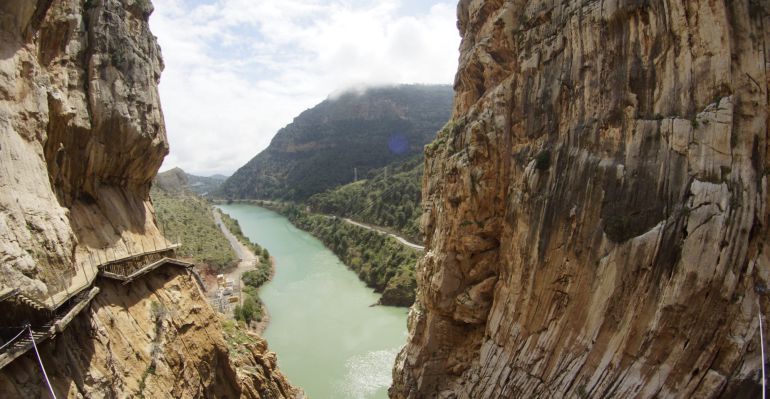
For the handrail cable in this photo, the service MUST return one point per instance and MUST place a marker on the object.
(762, 347)
(40, 361)
(13, 339)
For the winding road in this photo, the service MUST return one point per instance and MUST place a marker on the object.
(400, 239)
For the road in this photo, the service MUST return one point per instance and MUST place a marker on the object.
(248, 258)
(400, 239)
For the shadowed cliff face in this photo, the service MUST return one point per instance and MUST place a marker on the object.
(596, 210)
(82, 138)
(83, 135)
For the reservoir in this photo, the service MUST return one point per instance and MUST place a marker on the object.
(329, 341)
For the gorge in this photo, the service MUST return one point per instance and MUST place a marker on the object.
(594, 215)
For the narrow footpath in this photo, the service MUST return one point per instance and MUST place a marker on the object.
(400, 239)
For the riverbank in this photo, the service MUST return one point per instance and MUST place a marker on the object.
(329, 341)
(381, 261)
(249, 261)
(381, 258)
(277, 206)
(387, 232)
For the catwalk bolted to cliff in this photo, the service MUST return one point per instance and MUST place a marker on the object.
(596, 210)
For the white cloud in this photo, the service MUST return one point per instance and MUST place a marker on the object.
(239, 70)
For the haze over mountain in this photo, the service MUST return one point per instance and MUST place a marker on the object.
(176, 179)
(351, 134)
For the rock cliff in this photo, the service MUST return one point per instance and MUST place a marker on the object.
(156, 338)
(83, 135)
(596, 210)
(82, 138)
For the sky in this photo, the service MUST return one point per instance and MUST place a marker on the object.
(236, 71)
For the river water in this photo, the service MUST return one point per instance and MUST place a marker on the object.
(329, 341)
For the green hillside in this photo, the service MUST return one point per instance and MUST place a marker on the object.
(186, 217)
(321, 147)
(380, 261)
(389, 198)
(205, 185)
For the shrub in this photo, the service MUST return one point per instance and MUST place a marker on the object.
(543, 160)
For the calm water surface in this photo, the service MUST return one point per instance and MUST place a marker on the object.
(328, 340)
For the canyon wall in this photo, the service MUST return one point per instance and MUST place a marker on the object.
(596, 210)
(82, 137)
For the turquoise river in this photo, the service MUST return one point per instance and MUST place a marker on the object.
(329, 340)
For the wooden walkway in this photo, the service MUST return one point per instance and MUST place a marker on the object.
(15, 341)
(85, 274)
(22, 343)
(127, 274)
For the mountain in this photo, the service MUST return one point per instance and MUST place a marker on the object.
(205, 185)
(350, 134)
(173, 181)
(177, 180)
(596, 213)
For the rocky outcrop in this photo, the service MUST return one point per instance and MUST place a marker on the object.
(156, 338)
(172, 181)
(82, 138)
(596, 211)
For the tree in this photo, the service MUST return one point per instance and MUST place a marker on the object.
(248, 311)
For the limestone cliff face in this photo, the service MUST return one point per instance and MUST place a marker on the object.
(596, 211)
(83, 135)
(82, 138)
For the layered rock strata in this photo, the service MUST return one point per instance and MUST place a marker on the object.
(596, 210)
(82, 138)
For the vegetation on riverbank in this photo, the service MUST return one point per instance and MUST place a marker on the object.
(389, 198)
(252, 308)
(235, 228)
(379, 260)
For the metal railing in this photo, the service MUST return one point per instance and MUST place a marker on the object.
(87, 269)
